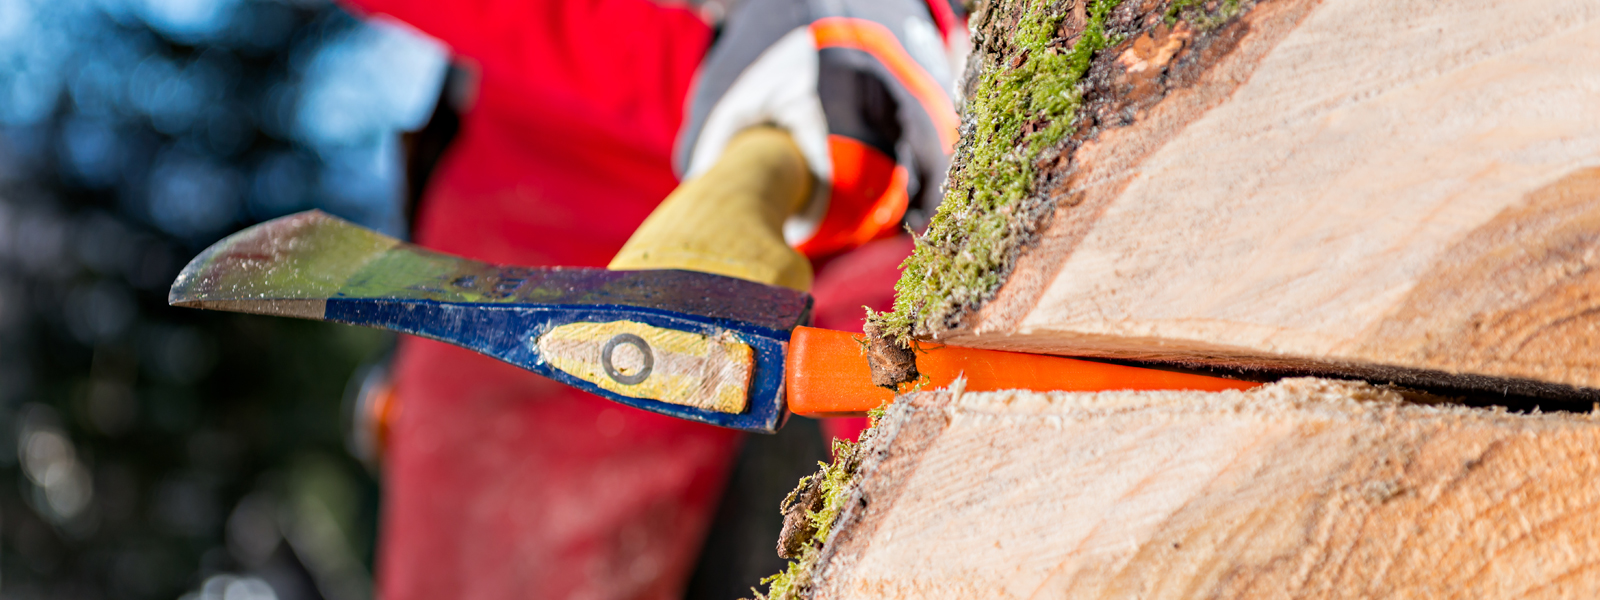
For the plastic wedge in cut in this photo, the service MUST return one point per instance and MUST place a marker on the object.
(829, 376)
(692, 345)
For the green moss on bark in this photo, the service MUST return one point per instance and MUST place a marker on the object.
(1018, 111)
(835, 482)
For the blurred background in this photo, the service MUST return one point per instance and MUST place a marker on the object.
(152, 452)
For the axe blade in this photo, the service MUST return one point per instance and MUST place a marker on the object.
(692, 345)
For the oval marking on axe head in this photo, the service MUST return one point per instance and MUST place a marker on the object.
(710, 372)
(641, 371)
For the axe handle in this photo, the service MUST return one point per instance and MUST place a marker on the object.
(828, 376)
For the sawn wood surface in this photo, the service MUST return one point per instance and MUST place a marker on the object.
(1303, 489)
(1405, 190)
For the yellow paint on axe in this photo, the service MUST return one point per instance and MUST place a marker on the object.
(711, 372)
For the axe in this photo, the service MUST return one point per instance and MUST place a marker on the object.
(708, 348)
(728, 351)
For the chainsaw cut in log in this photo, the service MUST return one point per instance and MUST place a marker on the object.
(1399, 190)
(1307, 488)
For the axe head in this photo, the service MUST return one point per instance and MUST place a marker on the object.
(692, 345)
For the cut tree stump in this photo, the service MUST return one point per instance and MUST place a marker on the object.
(1400, 190)
(1307, 488)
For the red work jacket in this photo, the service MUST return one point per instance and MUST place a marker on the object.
(499, 483)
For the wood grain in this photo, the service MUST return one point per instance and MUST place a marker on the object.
(1401, 189)
(1306, 488)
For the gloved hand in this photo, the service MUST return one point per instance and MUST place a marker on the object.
(863, 89)
(729, 220)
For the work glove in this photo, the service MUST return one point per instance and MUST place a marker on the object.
(862, 90)
(729, 220)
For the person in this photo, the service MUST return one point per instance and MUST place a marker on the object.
(502, 484)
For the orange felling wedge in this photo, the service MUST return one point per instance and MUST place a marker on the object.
(828, 375)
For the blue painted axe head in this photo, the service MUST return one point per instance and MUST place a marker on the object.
(692, 345)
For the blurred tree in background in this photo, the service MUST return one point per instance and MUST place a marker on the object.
(153, 452)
